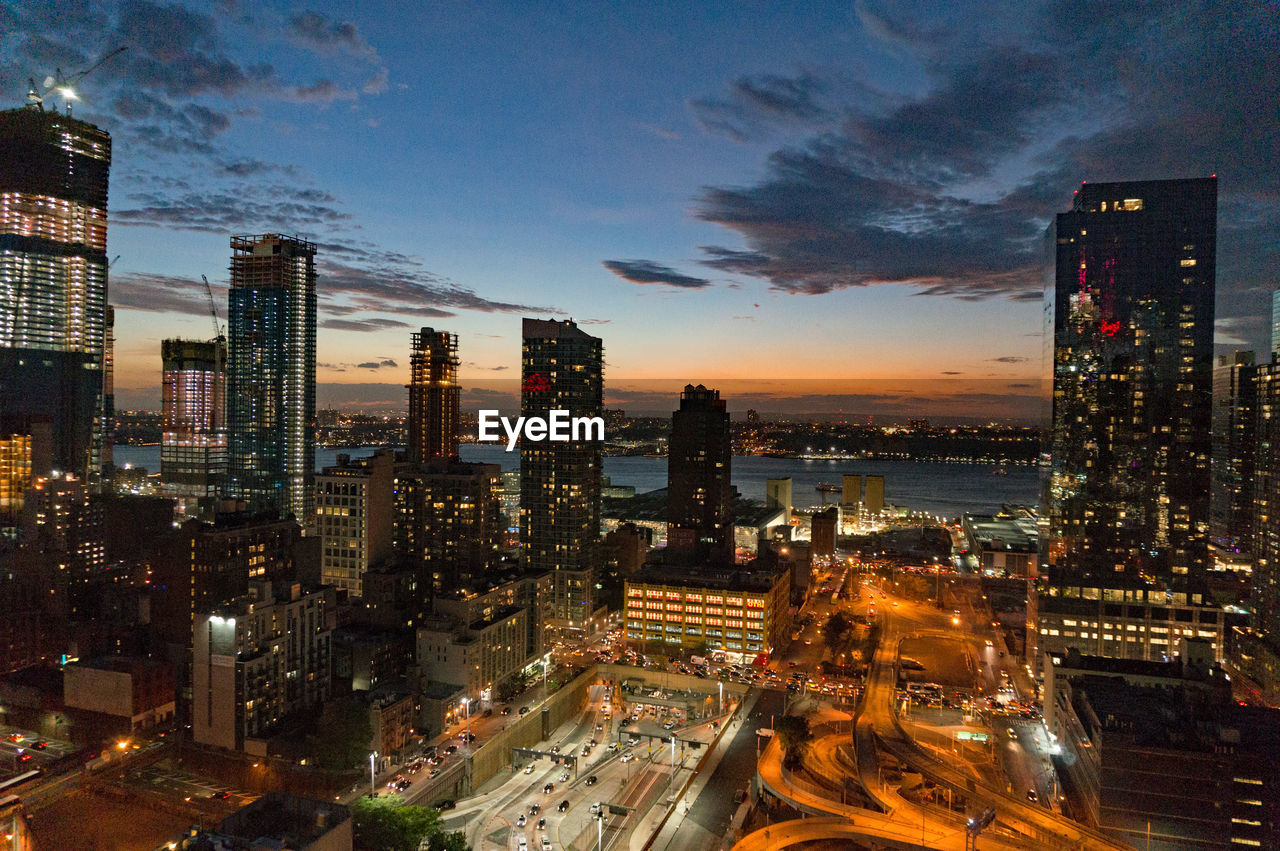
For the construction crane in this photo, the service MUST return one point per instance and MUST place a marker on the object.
(213, 309)
(64, 85)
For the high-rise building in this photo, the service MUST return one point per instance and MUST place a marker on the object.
(271, 374)
(1130, 316)
(778, 494)
(63, 527)
(449, 522)
(851, 493)
(1265, 494)
(433, 396)
(1275, 325)
(354, 514)
(873, 501)
(1233, 428)
(53, 282)
(193, 444)
(1131, 313)
(562, 368)
(699, 494)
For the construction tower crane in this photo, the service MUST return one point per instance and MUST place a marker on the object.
(213, 309)
(64, 85)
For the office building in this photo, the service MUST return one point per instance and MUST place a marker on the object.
(1265, 512)
(1275, 325)
(257, 660)
(53, 282)
(823, 528)
(433, 396)
(738, 614)
(562, 368)
(193, 444)
(1131, 308)
(355, 509)
(271, 374)
(448, 522)
(699, 458)
(1004, 544)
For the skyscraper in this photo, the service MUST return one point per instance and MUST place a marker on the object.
(700, 453)
(433, 396)
(1132, 312)
(354, 517)
(193, 444)
(562, 368)
(53, 281)
(271, 374)
(1234, 431)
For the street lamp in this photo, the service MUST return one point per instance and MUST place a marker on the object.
(373, 777)
(466, 706)
(721, 704)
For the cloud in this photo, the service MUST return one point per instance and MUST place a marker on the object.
(316, 32)
(947, 190)
(256, 206)
(163, 294)
(648, 272)
(1009, 359)
(376, 364)
(952, 372)
(373, 324)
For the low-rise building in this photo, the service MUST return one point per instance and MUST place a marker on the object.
(1004, 544)
(741, 613)
(278, 822)
(126, 695)
(393, 716)
(476, 655)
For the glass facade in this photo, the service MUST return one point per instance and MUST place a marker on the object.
(271, 374)
(193, 448)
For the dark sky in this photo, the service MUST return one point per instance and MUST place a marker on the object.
(723, 190)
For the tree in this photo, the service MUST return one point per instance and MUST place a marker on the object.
(342, 735)
(387, 823)
(837, 633)
(793, 733)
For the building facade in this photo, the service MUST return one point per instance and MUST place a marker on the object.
(477, 655)
(433, 396)
(742, 614)
(257, 660)
(193, 445)
(53, 282)
(448, 522)
(1233, 428)
(699, 495)
(355, 502)
(562, 368)
(271, 374)
(1130, 312)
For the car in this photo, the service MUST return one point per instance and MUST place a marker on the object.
(613, 746)
(591, 781)
(549, 788)
(808, 641)
(520, 822)
(435, 772)
(1032, 796)
(403, 784)
(523, 710)
(471, 737)
(599, 728)
(506, 710)
(555, 749)
(524, 843)
(632, 742)
(542, 824)
(564, 778)
(25, 757)
(989, 644)
(628, 756)
(595, 808)
(452, 749)
(14, 737)
(40, 745)
(546, 844)
(534, 809)
(1012, 733)
(669, 725)
(488, 713)
(564, 805)
(528, 769)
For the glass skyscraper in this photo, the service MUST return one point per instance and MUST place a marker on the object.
(53, 283)
(562, 367)
(271, 374)
(1132, 312)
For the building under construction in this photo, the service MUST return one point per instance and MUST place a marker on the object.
(433, 396)
(271, 374)
(193, 447)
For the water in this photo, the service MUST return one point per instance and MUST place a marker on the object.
(945, 489)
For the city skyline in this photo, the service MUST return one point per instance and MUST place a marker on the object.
(643, 203)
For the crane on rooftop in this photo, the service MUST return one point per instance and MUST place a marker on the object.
(213, 309)
(64, 85)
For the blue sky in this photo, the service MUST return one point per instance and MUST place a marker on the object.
(725, 191)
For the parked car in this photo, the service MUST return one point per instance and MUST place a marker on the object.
(564, 805)
(591, 781)
(520, 822)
